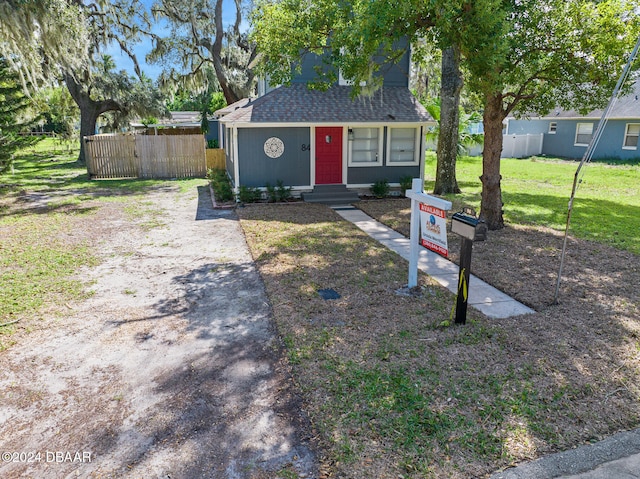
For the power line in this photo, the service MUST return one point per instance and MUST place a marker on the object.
(588, 154)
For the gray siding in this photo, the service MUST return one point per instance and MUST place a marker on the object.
(257, 169)
(369, 175)
(212, 134)
(532, 127)
(561, 144)
(394, 74)
(397, 74)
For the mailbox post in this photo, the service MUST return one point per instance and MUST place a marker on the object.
(470, 229)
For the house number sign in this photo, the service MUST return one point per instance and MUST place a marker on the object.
(273, 147)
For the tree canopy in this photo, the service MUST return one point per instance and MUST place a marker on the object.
(15, 115)
(524, 56)
(37, 37)
(198, 39)
(65, 40)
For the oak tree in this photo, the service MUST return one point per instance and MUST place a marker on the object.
(198, 38)
(66, 39)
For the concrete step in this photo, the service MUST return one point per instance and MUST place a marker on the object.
(331, 195)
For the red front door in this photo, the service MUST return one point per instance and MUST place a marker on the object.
(328, 155)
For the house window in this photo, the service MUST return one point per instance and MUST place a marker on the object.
(402, 147)
(584, 131)
(553, 126)
(631, 136)
(365, 147)
(342, 81)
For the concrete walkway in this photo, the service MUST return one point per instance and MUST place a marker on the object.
(617, 457)
(482, 296)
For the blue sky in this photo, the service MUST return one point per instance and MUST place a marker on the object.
(122, 60)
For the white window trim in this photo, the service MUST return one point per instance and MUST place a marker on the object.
(350, 149)
(416, 150)
(342, 81)
(626, 134)
(552, 131)
(575, 141)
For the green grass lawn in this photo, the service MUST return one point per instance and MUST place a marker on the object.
(536, 191)
(40, 250)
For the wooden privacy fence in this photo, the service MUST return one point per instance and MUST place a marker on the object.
(145, 156)
(215, 158)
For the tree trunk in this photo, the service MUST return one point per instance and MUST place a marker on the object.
(451, 85)
(90, 110)
(229, 95)
(491, 207)
(88, 117)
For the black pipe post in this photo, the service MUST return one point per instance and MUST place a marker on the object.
(463, 280)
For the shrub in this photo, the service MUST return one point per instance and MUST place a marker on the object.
(221, 184)
(278, 192)
(283, 193)
(213, 144)
(272, 194)
(246, 194)
(380, 188)
(405, 183)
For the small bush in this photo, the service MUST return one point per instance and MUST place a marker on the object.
(278, 192)
(213, 144)
(272, 194)
(283, 193)
(405, 183)
(221, 184)
(246, 194)
(380, 188)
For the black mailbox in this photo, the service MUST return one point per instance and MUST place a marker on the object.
(468, 226)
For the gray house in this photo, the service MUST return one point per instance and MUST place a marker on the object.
(311, 139)
(566, 134)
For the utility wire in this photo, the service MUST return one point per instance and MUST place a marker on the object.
(595, 139)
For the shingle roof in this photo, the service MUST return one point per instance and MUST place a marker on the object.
(230, 108)
(626, 107)
(298, 104)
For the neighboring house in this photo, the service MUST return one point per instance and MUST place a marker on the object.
(567, 133)
(310, 138)
(179, 122)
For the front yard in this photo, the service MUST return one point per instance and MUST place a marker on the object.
(393, 392)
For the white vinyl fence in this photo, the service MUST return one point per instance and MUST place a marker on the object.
(513, 146)
(521, 146)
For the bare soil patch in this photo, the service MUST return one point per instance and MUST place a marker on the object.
(393, 393)
(170, 369)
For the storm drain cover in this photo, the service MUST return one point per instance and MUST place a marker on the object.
(328, 293)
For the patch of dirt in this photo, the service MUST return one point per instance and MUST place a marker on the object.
(171, 368)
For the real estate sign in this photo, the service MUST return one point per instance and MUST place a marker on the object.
(430, 213)
(433, 226)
